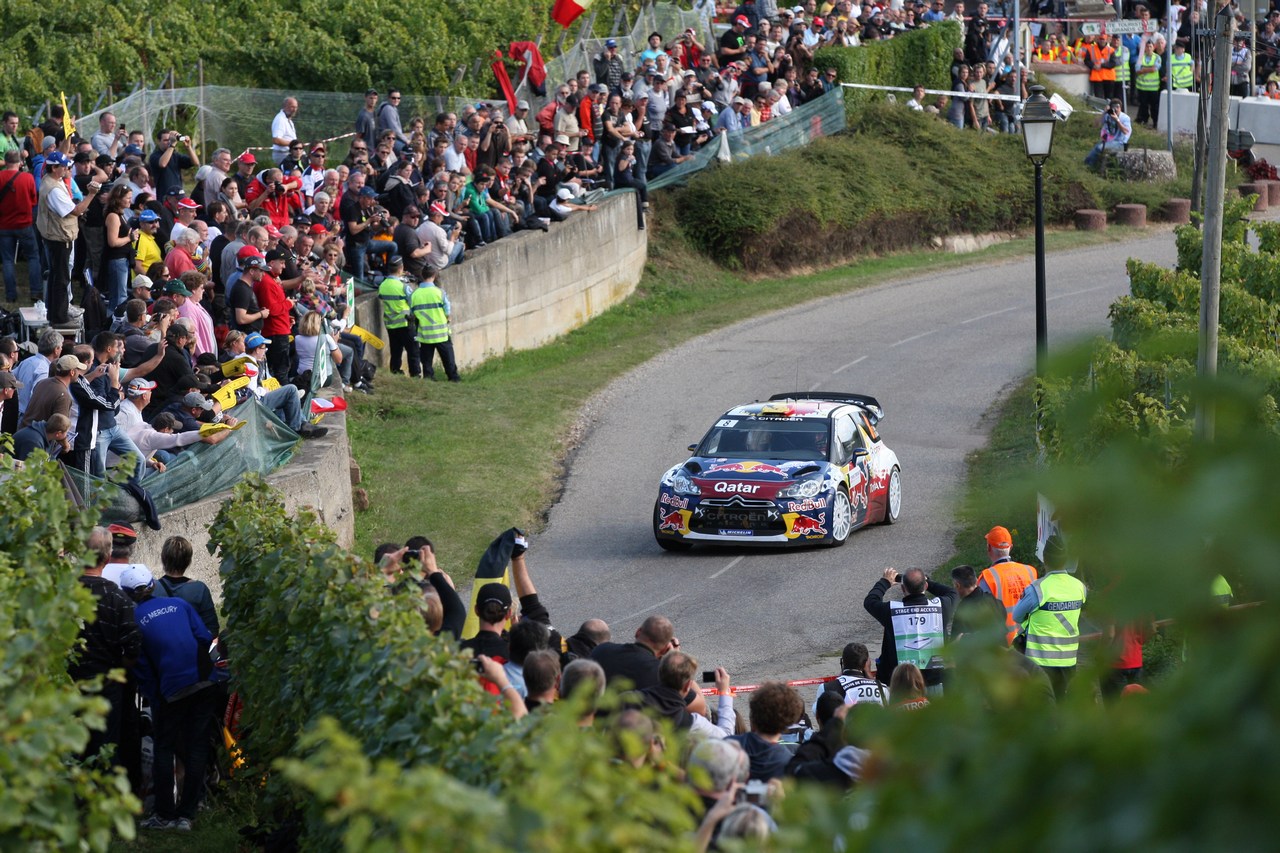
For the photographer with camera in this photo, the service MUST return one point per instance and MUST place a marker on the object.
(1114, 135)
(275, 195)
(914, 624)
(167, 164)
(98, 395)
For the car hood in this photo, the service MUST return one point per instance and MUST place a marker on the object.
(760, 479)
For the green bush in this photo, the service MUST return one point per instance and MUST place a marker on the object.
(919, 57)
(48, 801)
(896, 178)
(1141, 384)
(383, 730)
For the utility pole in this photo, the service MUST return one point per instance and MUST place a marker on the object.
(1215, 189)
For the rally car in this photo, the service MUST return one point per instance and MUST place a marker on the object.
(802, 468)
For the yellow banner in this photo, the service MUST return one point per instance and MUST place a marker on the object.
(226, 395)
(68, 126)
(367, 336)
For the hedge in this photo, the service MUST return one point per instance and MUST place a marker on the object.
(919, 57)
(895, 179)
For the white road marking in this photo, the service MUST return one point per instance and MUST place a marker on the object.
(1078, 292)
(989, 315)
(913, 338)
(647, 609)
(842, 368)
(727, 568)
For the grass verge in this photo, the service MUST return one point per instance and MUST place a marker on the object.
(460, 463)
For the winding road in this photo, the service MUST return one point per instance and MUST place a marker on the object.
(937, 350)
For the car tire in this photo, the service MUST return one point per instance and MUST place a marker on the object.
(841, 508)
(893, 496)
(666, 543)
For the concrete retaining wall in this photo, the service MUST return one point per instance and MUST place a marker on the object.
(318, 476)
(532, 287)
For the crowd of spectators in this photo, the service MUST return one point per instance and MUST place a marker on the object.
(736, 762)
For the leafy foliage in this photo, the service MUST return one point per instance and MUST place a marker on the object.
(1141, 383)
(895, 179)
(48, 801)
(922, 57)
(385, 728)
(293, 44)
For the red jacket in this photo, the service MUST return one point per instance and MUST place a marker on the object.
(279, 208)
(271, 296)
(15, 207)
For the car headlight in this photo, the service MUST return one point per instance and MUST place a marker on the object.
(682, 484)
(810, 487)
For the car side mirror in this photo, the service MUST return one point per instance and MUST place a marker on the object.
(693, 447)
(859, 452)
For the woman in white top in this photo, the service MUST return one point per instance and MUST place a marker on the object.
(309, 335)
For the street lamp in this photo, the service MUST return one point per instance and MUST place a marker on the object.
(1038, 122)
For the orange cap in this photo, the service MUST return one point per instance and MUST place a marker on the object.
(998, 537)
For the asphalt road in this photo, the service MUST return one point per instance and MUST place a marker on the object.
(936, 350)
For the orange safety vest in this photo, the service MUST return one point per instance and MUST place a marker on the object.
(1099, 55)
(1007, 581)
(1106, 53)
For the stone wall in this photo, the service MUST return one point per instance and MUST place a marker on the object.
(318, 476)
(531, 287)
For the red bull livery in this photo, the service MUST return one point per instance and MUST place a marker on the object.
(800, 469)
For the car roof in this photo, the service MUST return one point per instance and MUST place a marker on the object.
(789, 409)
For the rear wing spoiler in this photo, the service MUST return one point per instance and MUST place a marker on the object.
(868, 404)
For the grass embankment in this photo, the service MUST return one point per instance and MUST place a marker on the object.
(460, 463)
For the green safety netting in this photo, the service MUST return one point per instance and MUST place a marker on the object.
(822, 116)
(261, 446)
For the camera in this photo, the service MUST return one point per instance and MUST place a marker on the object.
(755, 791)
(413, 554)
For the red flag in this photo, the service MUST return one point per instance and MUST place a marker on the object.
(504, 81)
(323, 406)
(565, 12)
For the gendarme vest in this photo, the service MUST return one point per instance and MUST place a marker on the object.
(1148, 82)
(1053, 628)
(1122, 69)
(1181, 71)
(428, 309)
(59, 229)
(395, 305)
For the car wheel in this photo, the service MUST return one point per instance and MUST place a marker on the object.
(893, 497)
(665, 542)
(841, 518)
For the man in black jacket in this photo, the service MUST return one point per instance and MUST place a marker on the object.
(915, 626)
(638, 662)
(978, 611)
(111, 641)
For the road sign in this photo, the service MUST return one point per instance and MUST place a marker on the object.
(1120, 27)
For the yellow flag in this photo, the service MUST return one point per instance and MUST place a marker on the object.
(226, 395)
(367, 336)
(235, 367)
(68, 126)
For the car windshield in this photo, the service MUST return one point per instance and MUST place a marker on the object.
(753, 438)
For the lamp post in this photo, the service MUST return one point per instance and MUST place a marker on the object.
(1038, 121)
